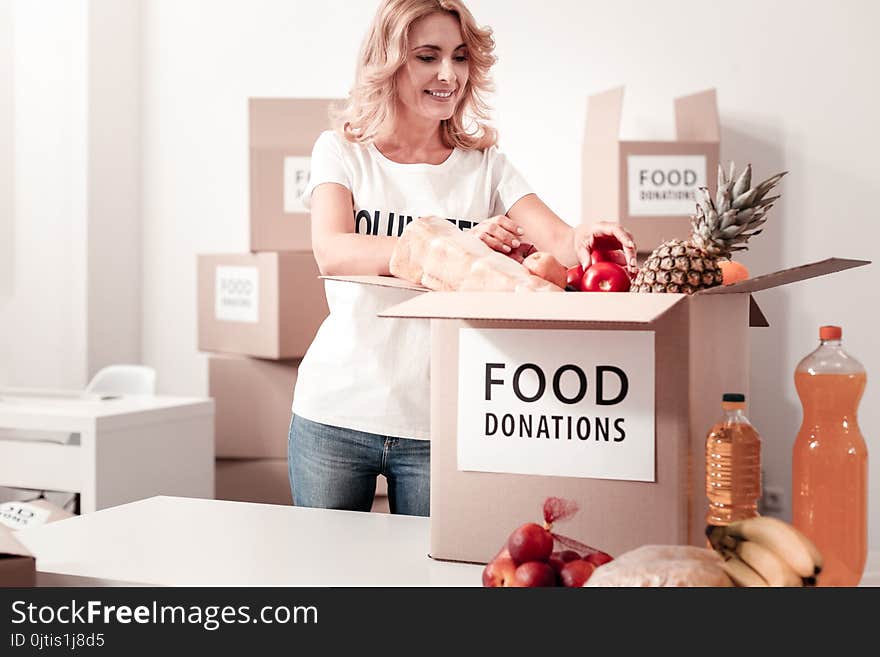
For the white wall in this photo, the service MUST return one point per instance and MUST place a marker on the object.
(7, 203)
(70, 292)
(43, 319)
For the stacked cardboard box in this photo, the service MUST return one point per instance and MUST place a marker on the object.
(649, 186)
(259, 311)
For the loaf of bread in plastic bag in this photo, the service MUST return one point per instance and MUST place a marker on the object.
(435, 254)
(663, 565)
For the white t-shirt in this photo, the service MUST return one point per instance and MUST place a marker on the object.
(365, 372)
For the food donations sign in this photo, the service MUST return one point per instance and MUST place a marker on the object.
(557, 403)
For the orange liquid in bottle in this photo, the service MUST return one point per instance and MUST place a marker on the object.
(830, 474)
(733, 468)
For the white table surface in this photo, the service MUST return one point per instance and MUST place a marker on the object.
(181, 541)
(65, 410)
(178, 541)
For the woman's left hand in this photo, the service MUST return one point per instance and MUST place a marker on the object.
(605, 236)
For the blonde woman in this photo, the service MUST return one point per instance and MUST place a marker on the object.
(413, 140)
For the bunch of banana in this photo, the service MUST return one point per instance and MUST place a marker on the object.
(766, 551)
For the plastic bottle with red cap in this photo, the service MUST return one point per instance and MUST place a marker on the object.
(830, 460)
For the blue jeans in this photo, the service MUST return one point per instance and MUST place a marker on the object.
(335, 468)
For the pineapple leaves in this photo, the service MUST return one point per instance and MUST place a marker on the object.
(724, 224)
(743, 182)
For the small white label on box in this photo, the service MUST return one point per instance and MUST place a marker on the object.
(296, 177)
(664, 185)
(237, 294)
(557, 403)
(19, 515)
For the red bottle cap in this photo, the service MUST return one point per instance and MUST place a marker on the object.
(830, 332)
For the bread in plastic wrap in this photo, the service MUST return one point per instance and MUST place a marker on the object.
(435, 254)
(662, 565)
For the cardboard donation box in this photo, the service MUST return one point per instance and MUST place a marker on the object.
(602, 398)
(252, 399)
(267, 305)
(282, 134)
(649, 186)
(17, 564)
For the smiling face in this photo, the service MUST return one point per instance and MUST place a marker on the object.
(431, 82)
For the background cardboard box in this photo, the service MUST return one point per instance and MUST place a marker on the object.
(266, 481)
(621, 178)
(282, 134)
(267, 305)
(473, 512)
(253, 480)
(252, 398)
(17, 564)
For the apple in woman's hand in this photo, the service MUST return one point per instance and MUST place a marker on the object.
(616, 257)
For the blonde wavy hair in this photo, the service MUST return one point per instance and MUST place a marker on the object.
(372, 100)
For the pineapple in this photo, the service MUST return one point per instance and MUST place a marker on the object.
(718, 230)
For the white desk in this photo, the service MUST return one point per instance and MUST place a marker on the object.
(192, 542)
(130, 447)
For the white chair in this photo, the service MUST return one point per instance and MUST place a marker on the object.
(124, 380)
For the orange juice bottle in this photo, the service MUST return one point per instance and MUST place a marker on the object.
(829, 475)
(733, 465)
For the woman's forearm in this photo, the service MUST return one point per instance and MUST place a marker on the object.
(544, 229)
(350, 254)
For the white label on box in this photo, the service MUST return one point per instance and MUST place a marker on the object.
(19, 515)
(296, 177)
(557, 403)
(237, 294)
(664, 185)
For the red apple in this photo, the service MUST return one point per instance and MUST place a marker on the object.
(598, 558)
(573, 277)
(530, 542)
(616, 257)
(533, 574)
(558, 559)
(576, 573)
(605, 277)
(606, 243)
(499, 572)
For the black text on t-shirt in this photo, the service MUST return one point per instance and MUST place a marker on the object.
(392, 224)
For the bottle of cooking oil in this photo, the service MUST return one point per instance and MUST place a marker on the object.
(733, 465)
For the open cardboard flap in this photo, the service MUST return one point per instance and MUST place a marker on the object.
(540, 306)
(786, 276)
(603, 116)
(696, 117)
(381, 281)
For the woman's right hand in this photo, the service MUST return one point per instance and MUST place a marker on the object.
(499, 233)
